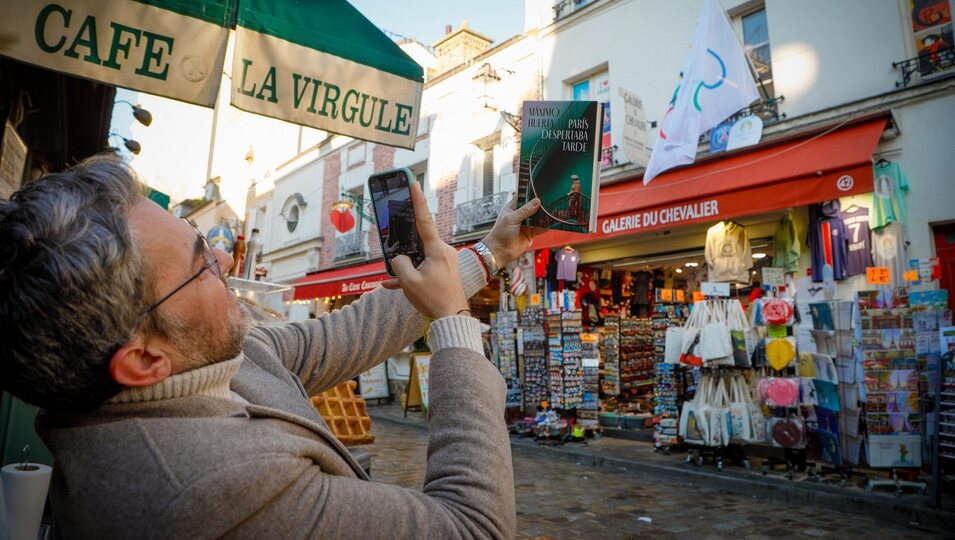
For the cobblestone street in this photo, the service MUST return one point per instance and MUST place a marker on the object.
(560, 499)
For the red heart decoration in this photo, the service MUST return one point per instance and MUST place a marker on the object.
(342, 220)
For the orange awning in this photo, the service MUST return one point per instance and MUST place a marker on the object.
(341, 281)
(812, 168)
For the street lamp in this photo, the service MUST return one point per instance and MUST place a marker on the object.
(141, 115)
(130, 144)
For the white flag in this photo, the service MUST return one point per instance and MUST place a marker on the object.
(716, 84)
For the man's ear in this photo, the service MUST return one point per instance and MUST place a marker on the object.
(136, 365)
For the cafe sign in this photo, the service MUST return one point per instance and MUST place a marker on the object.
(129, 44)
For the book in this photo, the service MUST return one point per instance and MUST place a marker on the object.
(560, 163)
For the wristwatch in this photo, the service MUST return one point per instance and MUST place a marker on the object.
(485, 253)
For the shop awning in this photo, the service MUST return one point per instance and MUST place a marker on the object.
(319, 64)
(826, 165)
(341, 281)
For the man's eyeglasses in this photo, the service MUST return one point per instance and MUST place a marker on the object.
(210, 261)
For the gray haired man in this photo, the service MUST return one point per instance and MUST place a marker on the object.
(169, 417)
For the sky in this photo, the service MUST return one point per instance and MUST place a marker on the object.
(424, 20)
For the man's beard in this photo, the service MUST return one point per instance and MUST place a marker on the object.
(195, 344)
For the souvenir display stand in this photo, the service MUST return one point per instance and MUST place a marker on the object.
(637, 360)
(723, 413)
(610, 359)
(944, 397)
(835, 422)
(891, 385)
(532, 342)
(504, 354)
(670, 390)
(555, 361)
(590, 367)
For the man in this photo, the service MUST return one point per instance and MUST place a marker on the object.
(169, 418)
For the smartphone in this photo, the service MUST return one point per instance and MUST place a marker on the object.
(394, 212)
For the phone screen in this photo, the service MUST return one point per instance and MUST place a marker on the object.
(394, 211)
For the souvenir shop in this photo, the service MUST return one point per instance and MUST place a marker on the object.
(778, 318)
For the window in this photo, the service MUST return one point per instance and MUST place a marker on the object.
(292, 211)
(756, 45)
(356, 155)
(596, 87)
(932, 34)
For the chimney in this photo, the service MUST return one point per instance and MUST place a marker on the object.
(447, 29)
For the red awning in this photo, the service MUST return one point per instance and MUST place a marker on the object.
(826, 165)
(341, 281)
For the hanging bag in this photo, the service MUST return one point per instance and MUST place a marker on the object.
(716, 410)
(743, 336)
(690, 337)
(716, 346)
(694, 427)
(673, 346)
(741, 413)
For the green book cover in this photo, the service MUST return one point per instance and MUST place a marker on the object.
(560, 163)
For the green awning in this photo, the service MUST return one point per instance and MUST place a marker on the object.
(323, 64)
(318, 63)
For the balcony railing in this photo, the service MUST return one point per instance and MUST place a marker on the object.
(767, 110)
(350, 245)
(925, 64)
(479, 213)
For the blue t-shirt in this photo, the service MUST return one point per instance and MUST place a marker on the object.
(860, 240)
(828, 240)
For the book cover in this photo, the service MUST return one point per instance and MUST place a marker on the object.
(560, 163)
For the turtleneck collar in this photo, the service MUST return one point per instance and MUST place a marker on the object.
(212, 380)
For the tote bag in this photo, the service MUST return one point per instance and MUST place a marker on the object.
(716, 410)
(741, 412)
(716, 345)
(694, 426)
(673, 346)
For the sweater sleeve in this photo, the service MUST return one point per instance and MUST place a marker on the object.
(468, 490)
(340, 345)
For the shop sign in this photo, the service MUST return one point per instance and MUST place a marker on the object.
(374, 382)
(775, 277)
(709, 288)
(745, 132)
(359, 287)
(129, 44)
(878, 275)
(634, 129)
(670, 215)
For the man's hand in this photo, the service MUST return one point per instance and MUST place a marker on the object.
(434, 288)
(508, 238)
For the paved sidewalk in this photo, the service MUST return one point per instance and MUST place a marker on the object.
(621, 454)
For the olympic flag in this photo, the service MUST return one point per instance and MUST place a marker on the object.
(716, 83)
